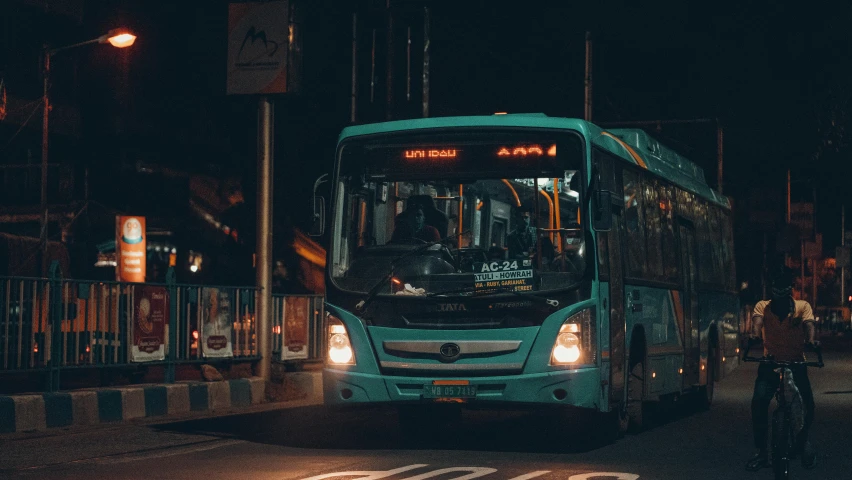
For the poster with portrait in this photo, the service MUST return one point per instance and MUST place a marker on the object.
(150, 323)
(217, 323)
(296, 314)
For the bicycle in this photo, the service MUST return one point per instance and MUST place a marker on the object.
(784, 419)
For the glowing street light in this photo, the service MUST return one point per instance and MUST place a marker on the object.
(118, 37)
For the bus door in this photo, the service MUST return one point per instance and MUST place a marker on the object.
(617, 333)
(689, 326)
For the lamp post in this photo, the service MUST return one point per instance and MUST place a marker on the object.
(119, 38)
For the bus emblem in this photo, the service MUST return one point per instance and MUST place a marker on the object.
(451, 307)
(450, 351)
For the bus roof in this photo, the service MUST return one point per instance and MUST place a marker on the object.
(633, 145)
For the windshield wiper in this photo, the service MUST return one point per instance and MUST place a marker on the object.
(498, 290)
(371, 294)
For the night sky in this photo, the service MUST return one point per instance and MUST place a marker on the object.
(777, 74)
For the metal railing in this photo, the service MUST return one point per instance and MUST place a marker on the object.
(297, 327)
(54, 324)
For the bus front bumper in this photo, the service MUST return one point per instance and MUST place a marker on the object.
(579, 388)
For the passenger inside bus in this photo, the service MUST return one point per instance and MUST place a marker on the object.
(523, 241)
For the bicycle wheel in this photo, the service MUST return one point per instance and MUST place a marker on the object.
(782, 444)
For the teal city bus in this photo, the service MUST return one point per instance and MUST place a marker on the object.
(524, 260)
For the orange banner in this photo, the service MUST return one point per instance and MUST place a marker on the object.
(130, 253)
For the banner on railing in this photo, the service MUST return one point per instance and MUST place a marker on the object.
(296, 315)
(150, 322)
(217, 323)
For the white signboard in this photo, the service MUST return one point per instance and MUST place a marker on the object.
(257, 47)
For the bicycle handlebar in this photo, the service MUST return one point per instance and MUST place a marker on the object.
(784, 363)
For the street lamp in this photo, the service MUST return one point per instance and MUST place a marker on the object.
(118, 37)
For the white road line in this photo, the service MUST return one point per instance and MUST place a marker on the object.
(370, 475)
(527, 476)
(475, 472)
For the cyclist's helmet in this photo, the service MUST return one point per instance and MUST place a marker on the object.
(782, 283)
(782, 303)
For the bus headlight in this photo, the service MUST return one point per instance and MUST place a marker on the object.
(574, 343)
(339, 349)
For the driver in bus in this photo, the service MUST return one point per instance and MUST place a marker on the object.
(412, 226)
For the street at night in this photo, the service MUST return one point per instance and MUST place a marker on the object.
(417, 239)
(313, 442)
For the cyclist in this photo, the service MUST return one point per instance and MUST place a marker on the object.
(786, 327)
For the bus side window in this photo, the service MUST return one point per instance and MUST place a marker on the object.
(634, 222)
(670, 269)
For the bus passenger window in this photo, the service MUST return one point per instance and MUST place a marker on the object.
(634, 224)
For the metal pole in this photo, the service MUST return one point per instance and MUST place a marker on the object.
(426, 40)
(802, 289)
(719, 149)
(763, 270)
(588, 80)
(787, 255)
(389, 66)
(44, 147)
(354, 104)
(408, 67)
(843, 245)
(373, 69)
(814, 261)
(265, 122)
(788, 195)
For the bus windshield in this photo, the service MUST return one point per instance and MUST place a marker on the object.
(459, 214)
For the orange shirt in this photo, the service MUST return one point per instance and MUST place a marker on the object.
(784, 338)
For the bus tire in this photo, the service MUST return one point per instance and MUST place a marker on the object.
(707, 391)
(637, 411)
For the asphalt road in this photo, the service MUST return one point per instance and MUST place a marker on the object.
(314, 443)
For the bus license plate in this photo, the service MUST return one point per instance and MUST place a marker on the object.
(449, 391)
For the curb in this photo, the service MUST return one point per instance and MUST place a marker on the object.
(27, 413)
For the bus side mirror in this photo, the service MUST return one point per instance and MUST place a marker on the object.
(602, 211)
(318, 225)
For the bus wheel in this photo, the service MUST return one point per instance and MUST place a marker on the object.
(637, 415)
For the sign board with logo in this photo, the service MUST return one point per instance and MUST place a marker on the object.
(150, 323)
(512, 275)
(297, 312)
(130, 251)
(217, 323)
(258, 35)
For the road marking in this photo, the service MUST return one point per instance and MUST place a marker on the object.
(475, 472)
(472, 472)
(369, 475)
(527, 476)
